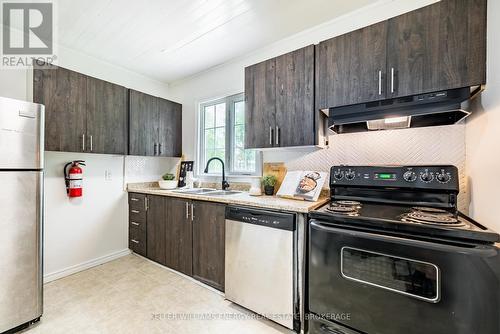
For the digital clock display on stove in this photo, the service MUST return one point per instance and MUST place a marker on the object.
(385, 176)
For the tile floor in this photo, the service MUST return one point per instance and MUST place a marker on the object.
(133, 295)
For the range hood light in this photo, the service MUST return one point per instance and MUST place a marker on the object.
(389, 123)
(394, 120)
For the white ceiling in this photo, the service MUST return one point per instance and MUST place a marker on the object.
(171, 39)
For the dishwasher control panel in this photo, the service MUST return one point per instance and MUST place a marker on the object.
(272, 219)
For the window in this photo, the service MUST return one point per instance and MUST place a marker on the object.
(222, 135)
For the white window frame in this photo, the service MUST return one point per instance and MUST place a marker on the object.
(229, 145)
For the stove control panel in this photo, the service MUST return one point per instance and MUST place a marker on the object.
(415, 177)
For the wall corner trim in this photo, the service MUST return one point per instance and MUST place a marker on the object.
(84, 266)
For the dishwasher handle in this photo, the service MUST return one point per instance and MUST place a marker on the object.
(266, 218)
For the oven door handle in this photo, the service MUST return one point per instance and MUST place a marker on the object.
(465, 249)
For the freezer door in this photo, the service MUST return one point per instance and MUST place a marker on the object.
(21, 134)
(20, 248)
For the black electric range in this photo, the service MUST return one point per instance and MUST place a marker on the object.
(391, 249)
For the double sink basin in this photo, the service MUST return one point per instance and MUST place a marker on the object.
(207, 192)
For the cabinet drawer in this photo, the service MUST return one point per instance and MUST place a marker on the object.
(137, 215)
(137, 241)
(137, 201)
(138, 224)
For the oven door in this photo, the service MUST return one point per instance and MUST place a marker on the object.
(379, 284)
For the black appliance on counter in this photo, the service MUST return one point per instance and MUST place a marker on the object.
(391, 254)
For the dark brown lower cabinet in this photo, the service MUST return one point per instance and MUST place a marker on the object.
(179, 236)
(187, 236)
(156, 228)
(208, 243)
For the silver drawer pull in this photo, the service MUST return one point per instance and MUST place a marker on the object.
(136, 211)
(135, 241)
(135, 224)
(134, 199)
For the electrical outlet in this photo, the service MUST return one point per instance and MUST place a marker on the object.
(107, 175)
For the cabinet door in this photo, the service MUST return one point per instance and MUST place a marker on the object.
(295, 98)
(438, 47)
(106, 117)
(179, 253)
(63, 92)
(209, 243)
(170, 129)
(352, 67)
(156, 229)
(260, 105)
(143, 124)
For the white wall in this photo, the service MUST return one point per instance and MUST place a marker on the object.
(84, 232)
(483, 135)
(228, 78)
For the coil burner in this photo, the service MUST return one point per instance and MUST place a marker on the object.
(432, 216)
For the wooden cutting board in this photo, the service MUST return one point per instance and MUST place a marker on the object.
(277, 169)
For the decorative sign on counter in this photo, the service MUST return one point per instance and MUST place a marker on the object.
(303, 185)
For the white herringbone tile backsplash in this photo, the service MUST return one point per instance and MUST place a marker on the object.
(432, 145)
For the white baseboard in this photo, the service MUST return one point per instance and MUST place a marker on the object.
(83, 266)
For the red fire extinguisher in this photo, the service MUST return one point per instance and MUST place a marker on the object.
(74, 178)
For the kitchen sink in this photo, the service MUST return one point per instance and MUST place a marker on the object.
(199, 191)
(223, 193)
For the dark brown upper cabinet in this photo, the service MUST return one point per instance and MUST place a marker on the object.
(155, 126)
(260, 104)
(106, 117)
(209, 243)
(63, 92)
(82, 114)
(352, 67)
(280, 101)
(438, 47)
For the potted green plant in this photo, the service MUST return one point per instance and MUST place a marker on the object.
(269, 182)
(168, 181)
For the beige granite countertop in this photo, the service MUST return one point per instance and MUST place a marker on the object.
(265, 202)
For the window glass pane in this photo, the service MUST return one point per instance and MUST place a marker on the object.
(239, 160)
(209, 117)
(209, 139)
(220, 138)
(239, 113)
(220, 118)
(239, 136)
(250, 158)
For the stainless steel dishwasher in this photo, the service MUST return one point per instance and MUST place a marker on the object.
(261, 263)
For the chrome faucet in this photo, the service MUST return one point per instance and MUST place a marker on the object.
(225, 185)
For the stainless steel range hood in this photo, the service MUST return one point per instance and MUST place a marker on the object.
(432, 109)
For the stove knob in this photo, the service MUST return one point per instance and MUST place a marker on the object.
(410, 176)
(338, 175)
(443, 177)
(350, 175)
(427, 177)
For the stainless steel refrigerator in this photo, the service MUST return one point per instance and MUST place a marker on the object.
(21, 212)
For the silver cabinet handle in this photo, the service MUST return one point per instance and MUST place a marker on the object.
(379, 82)
(134, 223)
(146, 203)
(136, 211)
(134, 241)
(83, 142)
(277, 136)
(159, 149)
(91, 143)
(133, 199)
(192, 212)
(187, 210)
(271, 135)
(392, 80)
